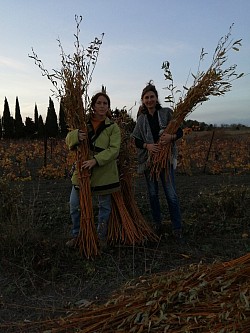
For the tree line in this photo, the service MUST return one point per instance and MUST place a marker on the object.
(53, 126)
(15, 128)
(56, 127)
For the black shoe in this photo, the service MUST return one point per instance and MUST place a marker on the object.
(158, 229)
(71, 243)
(178, 236)
(102, 230)
(103, 244)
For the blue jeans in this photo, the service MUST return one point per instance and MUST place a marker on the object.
(170, 194)
(104, 205)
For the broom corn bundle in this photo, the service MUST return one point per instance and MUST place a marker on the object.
(216, 81)
(71, 87)
(126, 223)
(76, 118)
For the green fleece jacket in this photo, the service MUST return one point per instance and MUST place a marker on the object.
(104, 147)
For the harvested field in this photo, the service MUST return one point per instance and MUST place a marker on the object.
(46, 280)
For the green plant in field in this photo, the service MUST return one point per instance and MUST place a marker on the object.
(16, 219)
(10, 204)
(228, 202)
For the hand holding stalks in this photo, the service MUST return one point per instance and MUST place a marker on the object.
(153, 147)
(166, 138)
(89, 164)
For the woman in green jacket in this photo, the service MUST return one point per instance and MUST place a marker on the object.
(104, 139)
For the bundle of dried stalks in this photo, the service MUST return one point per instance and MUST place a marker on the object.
(216, 81)
(127, 224)
(71, 87)
(200, 298)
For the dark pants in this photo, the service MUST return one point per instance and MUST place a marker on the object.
(168, 184)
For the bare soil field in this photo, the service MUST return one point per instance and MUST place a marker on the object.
(40, 278)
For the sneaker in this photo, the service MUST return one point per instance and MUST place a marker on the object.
(71, 243)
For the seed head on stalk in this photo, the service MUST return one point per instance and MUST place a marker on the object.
(215, 81)
(71, 84)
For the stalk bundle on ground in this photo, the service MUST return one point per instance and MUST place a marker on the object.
(215, 81)
(199, 298)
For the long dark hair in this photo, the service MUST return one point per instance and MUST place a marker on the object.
(95, 98)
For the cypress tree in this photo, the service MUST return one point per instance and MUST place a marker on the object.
(51, 125)
(1, 130)
(19, 126)
(62, 123)
(7, 122)
(40, 128)
(29, 127)
(36, 117)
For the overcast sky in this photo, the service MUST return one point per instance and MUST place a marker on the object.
(139, 36)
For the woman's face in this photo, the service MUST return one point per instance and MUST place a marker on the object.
(150, 100)
(101, 107)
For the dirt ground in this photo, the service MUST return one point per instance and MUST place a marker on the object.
(54, 280)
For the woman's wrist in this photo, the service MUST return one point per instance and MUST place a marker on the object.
(145, 145)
